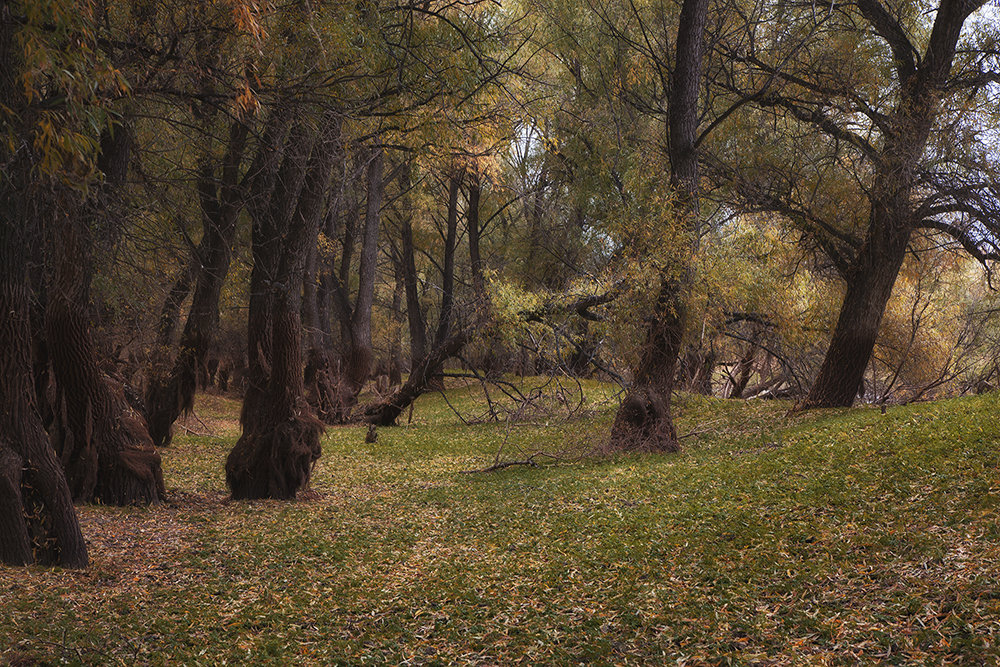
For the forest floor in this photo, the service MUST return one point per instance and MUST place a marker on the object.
(834, 537)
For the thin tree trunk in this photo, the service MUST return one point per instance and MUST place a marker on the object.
(448, 266)
(396, 344)
(167, 398)
(644, 421)
(358, 355)
(414, 313)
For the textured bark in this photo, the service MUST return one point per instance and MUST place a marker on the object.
(280, 443)
(644, 421)
(38, 523)
(873, 273)
(395, 369)
(221, 201)
(320, 382)
(170, 313)
(743, 370)
(103, 442)
(358, 360)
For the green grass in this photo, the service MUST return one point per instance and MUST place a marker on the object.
(827, 538)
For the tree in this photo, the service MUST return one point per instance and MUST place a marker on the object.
(38, 523)
(280, 442)
(644, 421)
(887, 112)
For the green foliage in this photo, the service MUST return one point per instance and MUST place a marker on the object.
(841, 537)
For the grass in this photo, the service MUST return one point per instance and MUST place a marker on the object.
(828, 538)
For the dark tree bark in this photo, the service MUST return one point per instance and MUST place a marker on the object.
(395, 370)
(323, 389)
(475, 229)
(422, 376)
(356, 353)
(414, 313)
(103, 442)
(280, 443)
(743, 370)
(448, 265)
(170, 313)
(221, 198)
(871, 276)
(644, 421)
(38, 523)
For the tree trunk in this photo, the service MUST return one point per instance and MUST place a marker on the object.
(323, 390)
(869, 288)
(395, 370)
(38, 523)
(280, 443)
(873, 273)
(167, 398)
(356, 319)
(103, 443)
(414, 313)
(643, 421)
(448, 266)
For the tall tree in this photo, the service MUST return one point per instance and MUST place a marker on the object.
(644, 419)
(38, 523)
(875, 98)
(280, 442)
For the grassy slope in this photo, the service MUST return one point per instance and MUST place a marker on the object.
(831, 537)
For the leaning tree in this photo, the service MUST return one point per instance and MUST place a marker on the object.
(884, 106)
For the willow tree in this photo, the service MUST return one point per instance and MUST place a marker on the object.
(37, 521)
(882, 104)
(280, 442)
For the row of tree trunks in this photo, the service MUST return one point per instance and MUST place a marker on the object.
(334, 384)
(275, 455)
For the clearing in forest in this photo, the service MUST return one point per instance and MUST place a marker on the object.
(833, 537)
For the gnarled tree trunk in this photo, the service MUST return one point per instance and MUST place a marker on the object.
(103, 442)
(280, 443)
(38, 523)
